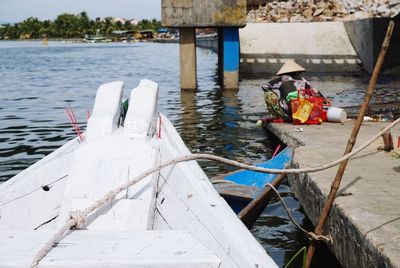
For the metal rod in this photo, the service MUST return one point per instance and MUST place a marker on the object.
(352, 140)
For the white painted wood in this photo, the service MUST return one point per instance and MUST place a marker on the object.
(21, 197)
(121, 215)
(104, 164)
(185, 190)
(106, 111)
(108, 249)
(141, 117)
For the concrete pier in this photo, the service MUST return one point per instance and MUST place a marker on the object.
(187, 52)
(365, 219)
(225, 15)
(230, 54)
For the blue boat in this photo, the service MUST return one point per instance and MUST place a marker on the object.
(241, 187)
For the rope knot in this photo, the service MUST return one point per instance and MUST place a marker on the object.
(315, 237)
(79, 217)
(111, 196)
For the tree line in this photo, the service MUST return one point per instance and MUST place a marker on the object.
(71, 26)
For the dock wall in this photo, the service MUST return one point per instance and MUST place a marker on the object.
(318, 46)
(366, 36)
(350, 246)
(365, 218)
(203, 42)
(208, 42)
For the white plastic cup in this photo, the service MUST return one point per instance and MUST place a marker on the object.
(337, 115)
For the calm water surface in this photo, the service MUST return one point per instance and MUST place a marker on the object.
(37, 82)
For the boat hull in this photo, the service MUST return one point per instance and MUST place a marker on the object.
(241, 187)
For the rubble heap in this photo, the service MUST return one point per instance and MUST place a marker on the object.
(329, 10)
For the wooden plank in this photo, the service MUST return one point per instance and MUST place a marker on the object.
(252, 211)
(119, 215)
(21, 201)
(259, 179)
(106, 111)
(247, 185)
(104, 164)
(169, 206)
(188, 201)
(107, 249)
(66, 149)
(233, 190)
(141, 116)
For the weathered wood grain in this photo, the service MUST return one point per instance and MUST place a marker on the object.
(107, 249)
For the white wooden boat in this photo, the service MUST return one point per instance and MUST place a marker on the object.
(173, 218)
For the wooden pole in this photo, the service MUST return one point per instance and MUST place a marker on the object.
(352, 140)
(387, 141)
(250, 213)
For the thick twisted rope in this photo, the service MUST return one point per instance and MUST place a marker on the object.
(78, 218)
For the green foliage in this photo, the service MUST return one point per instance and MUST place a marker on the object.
(71, 26)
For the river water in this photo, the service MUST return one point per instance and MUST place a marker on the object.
(38, 82)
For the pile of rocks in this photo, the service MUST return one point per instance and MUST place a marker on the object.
(328, 10)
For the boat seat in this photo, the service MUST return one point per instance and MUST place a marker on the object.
(141, 117)
(119, 215)
(106, 111)
(83, 248)
(100, 166)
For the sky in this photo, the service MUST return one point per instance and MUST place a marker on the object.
(18, 10)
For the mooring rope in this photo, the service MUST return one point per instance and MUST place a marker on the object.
(310, 235)
(78, 218)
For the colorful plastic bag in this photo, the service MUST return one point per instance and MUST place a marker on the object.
(303, 111)
(316, 114)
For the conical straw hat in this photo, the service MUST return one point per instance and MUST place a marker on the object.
(290, 66)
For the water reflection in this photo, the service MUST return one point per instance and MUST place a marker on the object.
(190, 116)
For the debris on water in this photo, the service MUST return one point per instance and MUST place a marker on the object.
(368, 119)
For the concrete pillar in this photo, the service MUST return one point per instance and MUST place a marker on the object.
(221, 57)
(231, 55)
(187, 54)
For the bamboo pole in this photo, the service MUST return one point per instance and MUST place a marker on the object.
(352, 140)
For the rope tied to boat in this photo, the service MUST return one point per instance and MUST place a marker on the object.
(110, 196)
(79, 217)
(310, 235)
(313, 236)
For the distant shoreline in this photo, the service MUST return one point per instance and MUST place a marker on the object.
(49, 39)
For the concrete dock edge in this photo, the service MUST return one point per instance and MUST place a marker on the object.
(317, 46)
(355, 244)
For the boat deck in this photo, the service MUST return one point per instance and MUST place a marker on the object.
(108, 249)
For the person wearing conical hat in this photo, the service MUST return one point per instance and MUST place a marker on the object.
(290, 66)
(276, 90)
